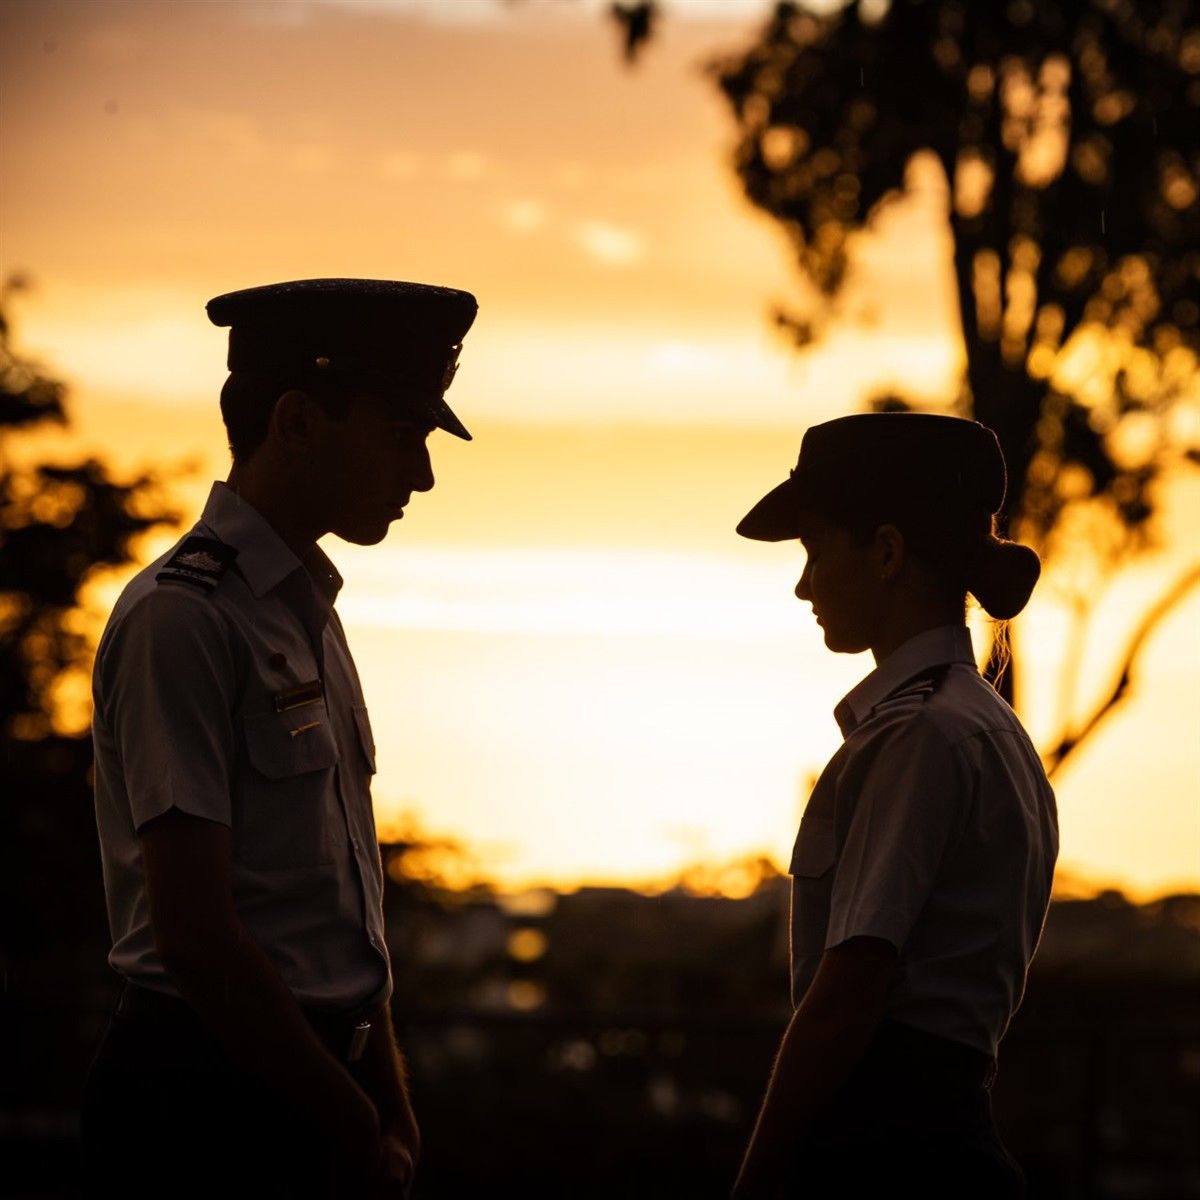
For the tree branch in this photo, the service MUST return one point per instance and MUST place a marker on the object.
(1055, 757)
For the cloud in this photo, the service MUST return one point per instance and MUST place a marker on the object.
(224, 132)
(466, 166)
(400, 165)
(609, 244)
(479, 12)
(532, 590)
(440, 12)
(523, 216)
(311, 159)
(572, 175)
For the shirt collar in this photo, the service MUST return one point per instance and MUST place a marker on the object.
(264, 558)
(933, 648)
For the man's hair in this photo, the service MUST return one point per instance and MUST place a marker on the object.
(247, 402)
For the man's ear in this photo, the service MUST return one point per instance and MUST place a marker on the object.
(889, 552)
(295, 420)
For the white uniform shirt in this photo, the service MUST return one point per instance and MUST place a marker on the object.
(192, 711)
(933, 827)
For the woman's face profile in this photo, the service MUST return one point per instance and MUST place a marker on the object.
(840, 581)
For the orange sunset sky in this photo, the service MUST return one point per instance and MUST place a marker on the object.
(572, 662)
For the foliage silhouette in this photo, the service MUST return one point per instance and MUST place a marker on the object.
(59, 524)
(636, 24)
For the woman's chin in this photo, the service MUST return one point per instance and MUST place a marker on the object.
(840, 643)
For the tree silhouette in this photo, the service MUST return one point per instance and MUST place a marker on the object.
(1069, 135)
(59, 524)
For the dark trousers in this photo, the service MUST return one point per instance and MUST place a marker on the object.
(166, 1113)
(914, 1118)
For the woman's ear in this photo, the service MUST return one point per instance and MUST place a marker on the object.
(888, 552)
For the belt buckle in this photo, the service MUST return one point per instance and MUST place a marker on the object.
(358, 1041)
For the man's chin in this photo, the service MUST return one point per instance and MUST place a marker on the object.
(365, 533)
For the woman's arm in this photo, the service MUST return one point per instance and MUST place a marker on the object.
(828, 1034)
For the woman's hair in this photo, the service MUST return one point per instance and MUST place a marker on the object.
(247, 402)
(960, 547)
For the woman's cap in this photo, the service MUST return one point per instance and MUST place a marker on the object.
(397, 338)
(856, 464)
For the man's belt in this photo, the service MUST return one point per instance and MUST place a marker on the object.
(344, 1034)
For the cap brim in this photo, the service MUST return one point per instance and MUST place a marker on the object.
(432, 409)
(443, 418)
(776, 517)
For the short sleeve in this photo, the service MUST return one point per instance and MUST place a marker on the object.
(908, 804)
(167, 685)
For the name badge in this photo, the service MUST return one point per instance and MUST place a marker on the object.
(300, 695)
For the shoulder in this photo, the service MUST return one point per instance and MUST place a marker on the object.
(902, 741)
(966, 704)
(198, 563)
(158, 605)
(192, 571)
(927, 724)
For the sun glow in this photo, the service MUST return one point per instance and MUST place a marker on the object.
(573, 666)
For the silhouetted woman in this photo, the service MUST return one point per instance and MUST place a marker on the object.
(921, 872)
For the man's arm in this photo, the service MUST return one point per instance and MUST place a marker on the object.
(385, 1079)
(224, 973)
(828, 1034)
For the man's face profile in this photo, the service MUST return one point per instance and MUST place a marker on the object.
(367, 464)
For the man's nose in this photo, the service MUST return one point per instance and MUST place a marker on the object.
(421, 474)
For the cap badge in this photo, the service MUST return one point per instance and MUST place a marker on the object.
(451, 368)
(321, 362)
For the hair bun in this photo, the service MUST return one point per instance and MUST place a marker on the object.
(1002, 576)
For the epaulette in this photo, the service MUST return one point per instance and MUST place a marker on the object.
(911, 695)
(200, 561)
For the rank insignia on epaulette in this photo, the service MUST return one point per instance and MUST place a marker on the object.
(200, 561)
(912, 698)
(923, 688)
(912, 694)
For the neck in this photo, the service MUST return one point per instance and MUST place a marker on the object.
(902, 627)
(286, 513)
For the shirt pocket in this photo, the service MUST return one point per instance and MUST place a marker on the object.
(282, 820)
(815, 850)
(366, 739)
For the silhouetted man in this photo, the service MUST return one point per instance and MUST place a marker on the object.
(252, 1051)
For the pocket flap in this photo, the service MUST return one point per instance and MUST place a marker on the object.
(366, 739)
(816, 848)
(291, 743)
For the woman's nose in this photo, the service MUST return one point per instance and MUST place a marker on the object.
(803, 591)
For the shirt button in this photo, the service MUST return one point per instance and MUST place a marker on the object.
(354, 843)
